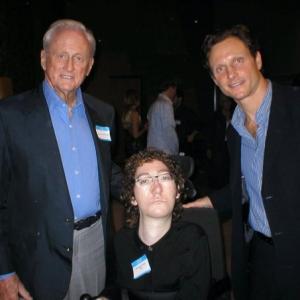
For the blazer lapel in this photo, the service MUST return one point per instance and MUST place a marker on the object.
(277, 128)
(44, 144)
(94, 119)
(234, 145)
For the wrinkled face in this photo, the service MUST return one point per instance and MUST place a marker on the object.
(157, 199)
(234, 70)
(67, 61)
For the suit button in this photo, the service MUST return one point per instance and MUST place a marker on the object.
(68, 249)
(67, 220)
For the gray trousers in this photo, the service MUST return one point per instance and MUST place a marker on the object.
(88, 262)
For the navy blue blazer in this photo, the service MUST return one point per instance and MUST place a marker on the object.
(36, 214)
(280, 192)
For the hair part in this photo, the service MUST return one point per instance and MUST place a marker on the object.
(127, 195)
(68, 24)
(239, 31)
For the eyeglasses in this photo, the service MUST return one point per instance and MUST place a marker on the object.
(147, 180)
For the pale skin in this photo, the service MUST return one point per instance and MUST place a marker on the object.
(238, 75)
(155, 203)
(12, 288)
(66, 63)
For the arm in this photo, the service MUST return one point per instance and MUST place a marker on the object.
(201, 202)
(220, 200)
(6, 266)
(12, 288)
(136, 122)
(10, 285)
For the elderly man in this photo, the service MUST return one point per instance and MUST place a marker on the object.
(264, 146)
(55, 176)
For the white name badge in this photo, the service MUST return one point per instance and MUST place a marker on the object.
(103, 133)
(140, 267)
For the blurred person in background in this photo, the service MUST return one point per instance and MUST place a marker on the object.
(135, 138)
(162, 133)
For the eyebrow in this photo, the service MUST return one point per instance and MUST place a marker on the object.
(148, 174)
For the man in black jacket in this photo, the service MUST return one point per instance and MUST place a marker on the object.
(55, 176)
(264, 147)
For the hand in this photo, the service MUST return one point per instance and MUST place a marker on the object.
(201, 202)
(12, 288)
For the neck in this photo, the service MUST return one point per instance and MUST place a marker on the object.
(70, 100)
(251, 105)
(152, 230)
(167, 95)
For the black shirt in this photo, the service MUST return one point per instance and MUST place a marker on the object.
(179, 262)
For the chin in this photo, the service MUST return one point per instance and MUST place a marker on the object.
(161, 212)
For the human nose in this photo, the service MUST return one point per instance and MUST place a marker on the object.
(156, 184)
(69, 64)
(230, 72)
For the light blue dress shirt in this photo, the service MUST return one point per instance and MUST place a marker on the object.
(252, 160)
(162, 127)
(77, 151)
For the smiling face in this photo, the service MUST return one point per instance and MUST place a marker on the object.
(234, 70)
(67, 62)
(157, 199)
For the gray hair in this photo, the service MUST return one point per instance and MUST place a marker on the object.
(68, 24)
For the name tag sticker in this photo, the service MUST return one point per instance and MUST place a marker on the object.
(140, 267)
(103, 133)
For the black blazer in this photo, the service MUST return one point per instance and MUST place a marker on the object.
(36, 214)
(280, 193)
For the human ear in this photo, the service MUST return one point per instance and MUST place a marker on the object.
(43, 59)
(133, 201)
(178, 194)
(214, 79)
(258, 60)
(91, 63)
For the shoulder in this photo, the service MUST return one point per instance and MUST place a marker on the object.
(19, 98)
(22, 102)
(189, 230)
(285, 102)
(286, 94)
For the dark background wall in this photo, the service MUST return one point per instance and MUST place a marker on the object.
(139, 43)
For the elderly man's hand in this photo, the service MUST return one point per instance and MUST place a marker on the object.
(201, 202)
(11, 288)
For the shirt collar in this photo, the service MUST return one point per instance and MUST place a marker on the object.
(54, 101)
(262, 114)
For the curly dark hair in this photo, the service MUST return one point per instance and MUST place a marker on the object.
(239, 31)
(137, 160)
